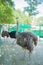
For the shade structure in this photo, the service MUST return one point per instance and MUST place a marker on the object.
(21, 27)
(24, 26)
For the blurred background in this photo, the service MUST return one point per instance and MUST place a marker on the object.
(30, 14)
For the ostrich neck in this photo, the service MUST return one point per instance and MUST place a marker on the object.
(17, 30)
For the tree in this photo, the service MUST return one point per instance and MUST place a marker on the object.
(40, 19)
(8, 3)
(6, 14)
(32, 6)
(22, 17)
(6, 11)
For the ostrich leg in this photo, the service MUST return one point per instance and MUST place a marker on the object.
(30, 48)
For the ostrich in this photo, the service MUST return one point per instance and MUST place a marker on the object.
(26, 39)
(5, 33)
(12, 34)
(9, 34)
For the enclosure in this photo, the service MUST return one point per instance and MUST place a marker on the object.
(13, 54)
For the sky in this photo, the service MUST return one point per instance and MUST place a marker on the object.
(40, 9)
(19, 4)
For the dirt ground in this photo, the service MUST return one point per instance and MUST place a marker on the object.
(13, 54)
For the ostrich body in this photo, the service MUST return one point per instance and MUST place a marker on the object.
(5, 33)
(26, 40)
(12, 34)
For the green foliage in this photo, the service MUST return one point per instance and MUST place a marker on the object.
(6, 14)
(32, 5)
(22, 17)
(8, 3)
(6, 11)
(40, 20)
